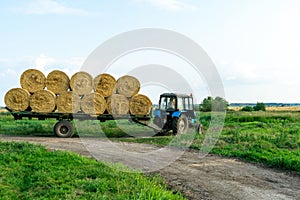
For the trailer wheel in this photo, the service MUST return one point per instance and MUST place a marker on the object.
(180, 125)
(64, 129)
(157, 121)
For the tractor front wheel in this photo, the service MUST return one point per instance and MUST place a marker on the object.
(180, 125)
(199, 128)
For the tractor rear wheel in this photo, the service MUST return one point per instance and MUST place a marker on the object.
(64, 129)
(180, 125)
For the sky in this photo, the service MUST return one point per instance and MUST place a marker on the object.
(254, 44)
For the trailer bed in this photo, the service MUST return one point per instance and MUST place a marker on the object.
(71, 116)
(64, 128)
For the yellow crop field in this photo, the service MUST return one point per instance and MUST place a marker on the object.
(283, 108)
(270, 108)
(2, 110)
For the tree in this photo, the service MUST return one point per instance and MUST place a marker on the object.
(205, 106)
(220, 104)
(211, 104)
(259, 106)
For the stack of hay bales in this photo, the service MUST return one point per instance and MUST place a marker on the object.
(58, 93)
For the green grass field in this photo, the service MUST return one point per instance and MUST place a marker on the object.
(271, 138)
(31, 172)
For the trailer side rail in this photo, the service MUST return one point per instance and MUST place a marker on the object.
(71, 116)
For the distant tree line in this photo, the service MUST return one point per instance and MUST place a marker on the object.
(266, 104)
(220, 104)
(259, 106)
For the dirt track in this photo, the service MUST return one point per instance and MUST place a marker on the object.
(211, 177)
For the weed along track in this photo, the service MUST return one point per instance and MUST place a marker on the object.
(211, 177)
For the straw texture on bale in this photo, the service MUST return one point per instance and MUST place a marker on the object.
(105, 84)
(81, 83)
(140, 105)
(32, 80)
(93, 103)
(17, 99)
(128, 86)
(68, 102)
(117, 104)
(43, 101)
(58, 82)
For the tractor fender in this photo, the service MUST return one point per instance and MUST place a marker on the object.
(177, 113)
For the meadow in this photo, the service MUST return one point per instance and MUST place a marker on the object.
(30, 171)
(271, 137)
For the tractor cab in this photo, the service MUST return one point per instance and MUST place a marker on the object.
(175, 112)
(176, 102)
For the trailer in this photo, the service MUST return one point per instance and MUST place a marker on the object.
(175, 113)
(64, 128)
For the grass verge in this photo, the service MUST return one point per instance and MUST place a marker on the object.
(31, 172)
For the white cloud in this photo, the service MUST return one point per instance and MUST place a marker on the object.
(74, 61)
(238, 72)
(4, 60)
(252, 82)
(72, 65)
(47, 64)
(171, 5)
(44, 7)
(8, 73)
(42, 61)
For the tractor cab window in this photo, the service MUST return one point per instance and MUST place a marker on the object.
(188, 103)
(168, 103)
(180, 104)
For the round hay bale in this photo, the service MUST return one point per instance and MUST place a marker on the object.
(140, 105)
(17, 99)
(117, 104)
(93, 103)
(58, 82)
(104, 84)
(43, 101)
(32, 80)
(81, 83)
(128, 86)
(68, 102)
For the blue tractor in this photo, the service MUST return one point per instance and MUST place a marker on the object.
(176, 113)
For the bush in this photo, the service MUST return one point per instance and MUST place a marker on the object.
(247, 109)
